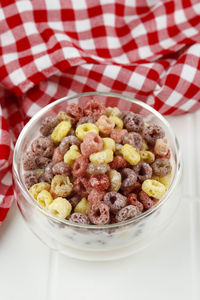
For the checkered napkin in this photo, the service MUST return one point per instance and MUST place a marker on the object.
(147, 49)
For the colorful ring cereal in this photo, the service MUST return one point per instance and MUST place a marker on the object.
(143, 171)
(60, 207)
(105, 125)
(98, 213)
(115, 180)
(161, 167)
(67, 142)
(80, 166)
(127, 212)
(99, 182)
(115, 201)
(79, 218)
(82, 207)
(83, 129)
(94, 108)
(130, 154)
(61, 186)
(102, 157)
(60, 131)
(153, 188)
(92, 143)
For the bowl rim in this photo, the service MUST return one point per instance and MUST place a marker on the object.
(49, 215)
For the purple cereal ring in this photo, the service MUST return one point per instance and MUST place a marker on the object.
(48, 174)
(61, 168)
(43, 146)
(129, 179)
(29, 161)
(89, 119)
(48, 124)
(79, 218)
(146, 200)
(161, 167)
(152, 133)
(133, 122)
(134, 139)
(143, 171)
(42, 161)
(67, 142)
(30, 179)
(127, 212)
(115, 201)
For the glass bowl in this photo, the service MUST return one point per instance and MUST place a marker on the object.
(92, 242)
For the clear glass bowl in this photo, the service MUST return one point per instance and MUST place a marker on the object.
(92, 242)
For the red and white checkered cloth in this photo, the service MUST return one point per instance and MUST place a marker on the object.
(148, 49)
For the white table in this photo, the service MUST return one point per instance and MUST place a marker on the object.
(168, 269)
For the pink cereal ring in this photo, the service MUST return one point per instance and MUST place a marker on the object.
(105, 125)
(74, 111)
(80, 166)
(95, 195)
(57, 156)
(117, 135)
(92, 142)
(94, 108)
(161, 147)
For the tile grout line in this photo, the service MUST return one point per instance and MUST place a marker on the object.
(51, 274)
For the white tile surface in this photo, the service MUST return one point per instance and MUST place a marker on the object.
(168, 269)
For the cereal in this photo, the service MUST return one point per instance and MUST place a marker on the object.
(83, 129)
(129, 178)
(74, 111)
(143, 171)
(127, 212)
(145, 200)
(29, 161)
(42, 161)
(71, 155)
(95, 168)
(133, 122)
(48, 173)
(130, 154)
(95, 195)
(98, 213)
(102, 157)
(74, 200)
(108, 143)
(117, 121)
(60, 131)
(57, 156)
(115, 201)
(62, 116)
(132, 200)
(105, 125)
(67, 142)
(61, 168)
(48, 124)
(153, 132)
(118, 162)
(88, 119)
(80, 166)
(99, 182)
(92, 143)
(112, 111)
(161, 147)
(38, 187)
(94, 108)
(147, 156)
(153, 188)
(134, 139)
(115, 180)
(79, 218)
(82, 207)
(44, 198)
(60, 207)
(117, 135)
(82, 186)
(61, 186)
(161, 167)
(30, 179)
(110, 165)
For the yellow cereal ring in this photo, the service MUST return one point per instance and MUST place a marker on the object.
(102, 157)
(83, 129)
(108, 143)
(112, 111)
(82, 207)
(38, 187)
(71, 155)
(115, 180)
(130, 154)
(153, 188)
(60, 207)
(61, 185)
(166, 180)
(60, 131)
(118, 122)
(44, 198)
(147, 156)
(144, 146)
